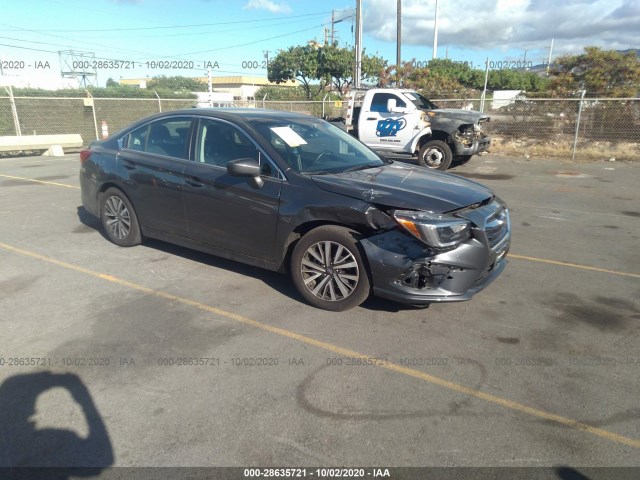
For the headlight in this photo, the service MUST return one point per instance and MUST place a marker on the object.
(440, 231)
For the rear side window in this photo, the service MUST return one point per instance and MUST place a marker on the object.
(379, 102)
(168, 137)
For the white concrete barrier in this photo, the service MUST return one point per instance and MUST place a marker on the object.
(41, 142)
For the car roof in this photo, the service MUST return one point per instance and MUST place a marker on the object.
(237, 114)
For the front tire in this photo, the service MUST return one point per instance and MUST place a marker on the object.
(435, 154)
(328, 269)
(119, 219)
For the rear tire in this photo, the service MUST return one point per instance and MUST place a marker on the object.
(329, 270)
(435, 154)
(119, 219)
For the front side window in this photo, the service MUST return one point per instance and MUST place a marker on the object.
(218, 143)
(379, 102)
(168, 137)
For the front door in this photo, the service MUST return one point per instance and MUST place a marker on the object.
(383, 130)
(227, 211)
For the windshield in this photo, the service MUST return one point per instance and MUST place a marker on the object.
(421, 102)
(315, 146)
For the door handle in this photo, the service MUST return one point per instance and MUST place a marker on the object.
(194, 182)
(372, 118)
(129, 165)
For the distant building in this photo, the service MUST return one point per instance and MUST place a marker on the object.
(38, 80)
(242, 88)
(502, 98)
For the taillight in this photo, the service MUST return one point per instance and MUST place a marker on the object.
(84, 155)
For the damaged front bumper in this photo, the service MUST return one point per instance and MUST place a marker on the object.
(471, 140)
(480, 145)
(405, 270)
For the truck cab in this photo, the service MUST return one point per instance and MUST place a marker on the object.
(394, 120)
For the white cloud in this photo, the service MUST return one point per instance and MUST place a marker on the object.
(520, 24)
(271, 6)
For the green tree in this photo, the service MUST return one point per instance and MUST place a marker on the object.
(324, 64)
(111, 83)
(176, 84)
(298, 63)
(443, 76)
(436, 83)
(274, 93)
(337, 64)
(600, 72)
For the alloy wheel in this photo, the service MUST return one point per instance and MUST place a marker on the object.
(330, 271)
(118, 219)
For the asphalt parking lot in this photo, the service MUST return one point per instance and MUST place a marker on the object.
(184, 359)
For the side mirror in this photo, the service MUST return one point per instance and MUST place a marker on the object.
(393, 108)
(246, 167)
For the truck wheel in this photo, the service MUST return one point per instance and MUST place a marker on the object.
(329, 270)
(435, 154)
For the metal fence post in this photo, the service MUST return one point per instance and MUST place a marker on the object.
(159, 101)
(14, 111)
(325, 97)
(575, 138)
(93, 110)
(263, 100)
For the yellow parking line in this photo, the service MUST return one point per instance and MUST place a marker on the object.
(518, 257)
(573, 265)
(456, 387)
(39, 181)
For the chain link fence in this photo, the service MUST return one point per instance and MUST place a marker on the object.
(598, 128)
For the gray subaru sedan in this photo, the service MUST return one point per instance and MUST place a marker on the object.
(293, 193)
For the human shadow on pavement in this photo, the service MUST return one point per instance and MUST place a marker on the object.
(28, 452)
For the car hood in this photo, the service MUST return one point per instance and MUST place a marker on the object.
(406, 186)
(462, 116)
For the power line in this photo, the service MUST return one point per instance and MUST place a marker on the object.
(252, 43)
(109, 47)
(169, 26)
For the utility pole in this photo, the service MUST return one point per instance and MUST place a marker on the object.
(210, 87)
(358, 69)
(398, 42)
(334, 37)
(266, 56)
(484, 90)
(333, 26)
(549, 61)
(435, 34)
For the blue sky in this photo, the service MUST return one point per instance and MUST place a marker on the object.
(234, 35)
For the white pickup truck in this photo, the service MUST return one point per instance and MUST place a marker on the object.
(392, 120)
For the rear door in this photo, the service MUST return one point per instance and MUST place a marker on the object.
(227, 211)
(382, 130)
(152, 163)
